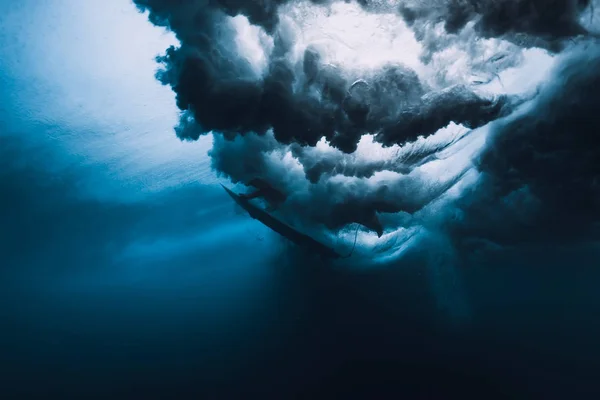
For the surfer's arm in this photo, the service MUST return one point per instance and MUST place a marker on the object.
(253, 195)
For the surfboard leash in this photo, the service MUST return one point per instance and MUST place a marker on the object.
(354, 245)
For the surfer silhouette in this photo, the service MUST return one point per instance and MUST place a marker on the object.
(274, 197)
(263, 189)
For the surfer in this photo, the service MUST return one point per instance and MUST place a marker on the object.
(280, 227)
(263, 189)
(274, 197)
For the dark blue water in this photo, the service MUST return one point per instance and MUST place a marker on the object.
(225, 317)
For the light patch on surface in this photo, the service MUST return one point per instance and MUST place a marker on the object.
(94, 95)
(350, 37)
(253, 43)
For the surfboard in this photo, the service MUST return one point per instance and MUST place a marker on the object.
(282, 228)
